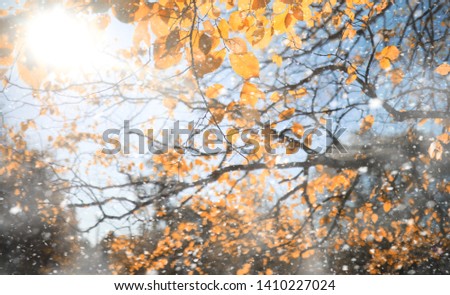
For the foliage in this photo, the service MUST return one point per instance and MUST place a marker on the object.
(378, 68)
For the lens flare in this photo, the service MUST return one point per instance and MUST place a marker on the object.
(63, 40)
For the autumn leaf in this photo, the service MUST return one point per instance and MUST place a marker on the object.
(245, 269)
(307, 254)
(141, 34)
(385, 63)
(223, 29)
(387, 206)
(205, 43)
(236, 45)
(294, 41)
(286, 114)
(277, 59)
(167, 50)
(443, 69)
(435, 150)
(298, 129)
(250, 94)
(350, 79)
(298, 93)
(374, 218)
(170, 103)
(351, 71)
(235, 21)
(245, 65)
(212, 62)
(348, 32)
(386, 56)
(213, 91)
(33, 76)
(390, 52)
(397, 76)
(367, 123)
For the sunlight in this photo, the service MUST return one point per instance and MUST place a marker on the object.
(61, 40)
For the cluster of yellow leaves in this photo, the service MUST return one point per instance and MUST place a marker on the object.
(387, 56)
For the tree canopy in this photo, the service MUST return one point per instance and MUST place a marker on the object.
(316, 135)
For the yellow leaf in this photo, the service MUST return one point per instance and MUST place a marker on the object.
(443, 69)
(390, 52)
(236, 21)
(277, 59)
(385, 63)
(386, 56)
(367, 123)
(250, 94)
(349, 32)
(213, 91)
(244, 4)
(286, 114)
(279, 24)
(245, 65)
(387, 206)
(224, 28)
(298, 93)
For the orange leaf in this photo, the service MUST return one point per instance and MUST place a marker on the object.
(443, 69)
(374, 218)
(286, 114)
(387, 206)
(244, 270)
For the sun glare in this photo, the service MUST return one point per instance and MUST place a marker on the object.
(59, 39)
